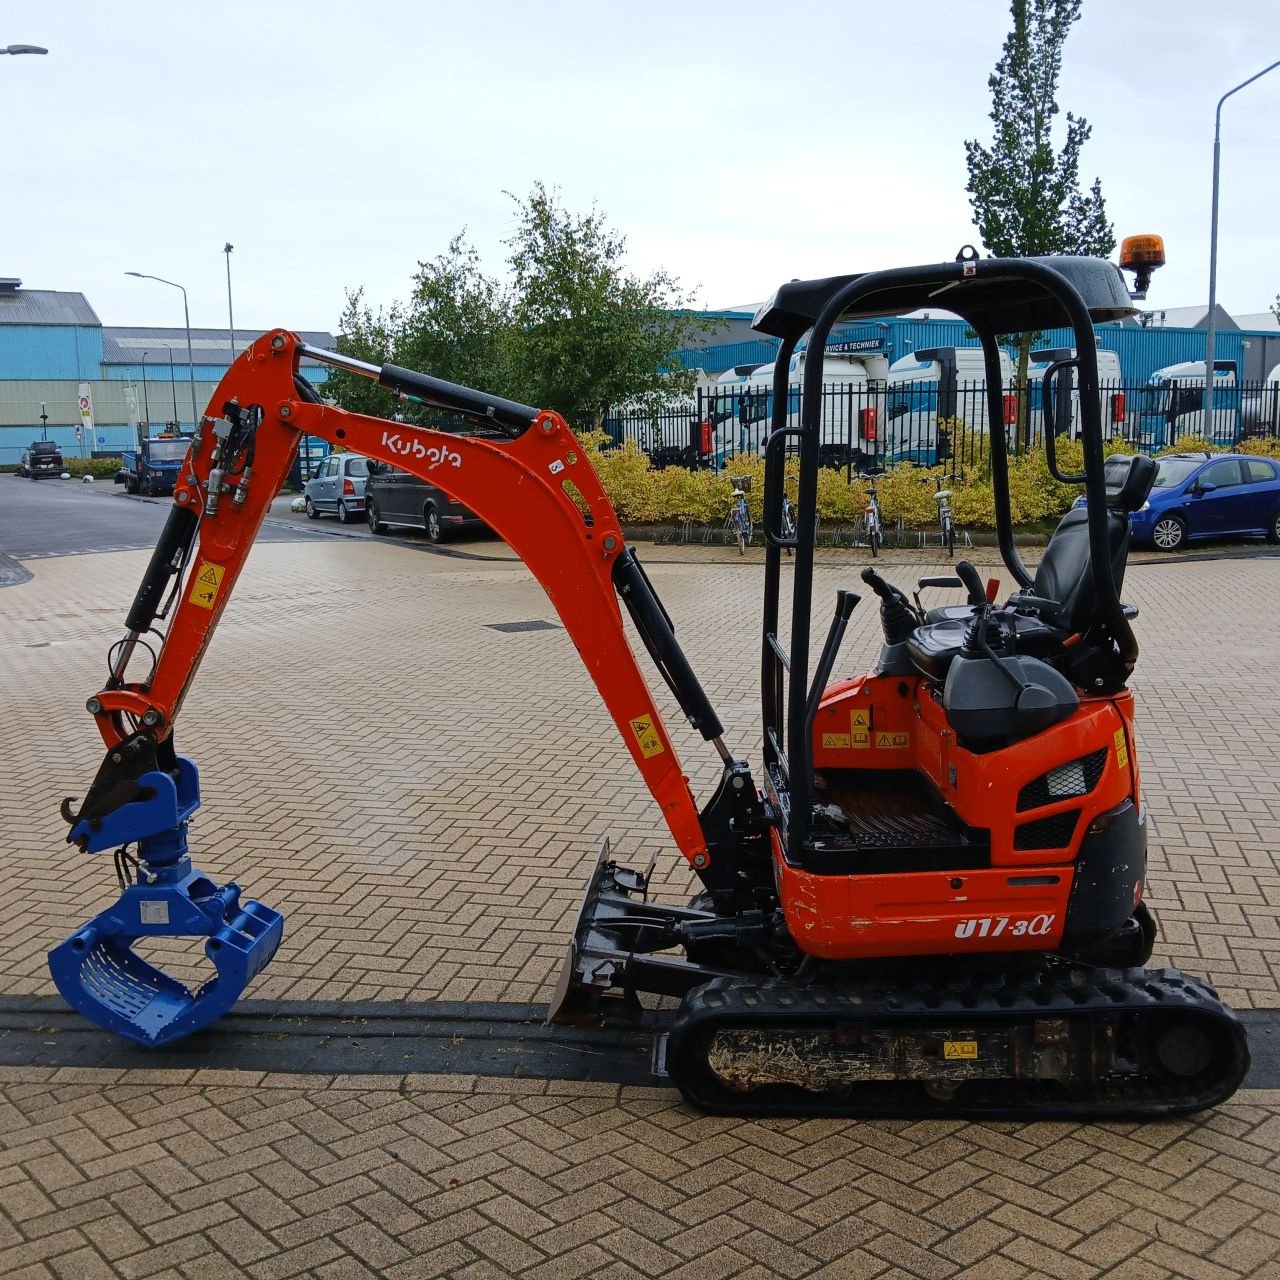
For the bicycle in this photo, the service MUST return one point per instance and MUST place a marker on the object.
(871, 517)
(737, 523)
(943, 498)
(788, 519)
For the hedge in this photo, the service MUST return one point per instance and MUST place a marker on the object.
(642, 495)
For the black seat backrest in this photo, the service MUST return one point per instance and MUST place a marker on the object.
(1064, 573)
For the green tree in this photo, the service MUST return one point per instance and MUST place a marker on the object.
(371, 336)
(460, 326)
(1026, 196)
(591, 333)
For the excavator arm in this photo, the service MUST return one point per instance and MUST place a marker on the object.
(528, 478)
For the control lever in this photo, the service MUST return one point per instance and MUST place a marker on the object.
(1042, 605)
(897, 618)
(973, 584)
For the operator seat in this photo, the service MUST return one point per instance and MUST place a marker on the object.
(1064, 575)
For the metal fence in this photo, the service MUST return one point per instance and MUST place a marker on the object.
(868, 425)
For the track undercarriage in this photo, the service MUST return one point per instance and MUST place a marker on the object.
(1034, 1036)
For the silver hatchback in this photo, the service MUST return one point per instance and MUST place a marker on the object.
(337, 488)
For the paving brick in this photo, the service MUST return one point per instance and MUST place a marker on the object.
(397, 889)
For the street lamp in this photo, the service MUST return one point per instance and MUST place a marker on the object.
(173, 386)
(1213, 248)
(44, 422)
(16, 49)
(191, 364)
(146, 408)
(231, 323)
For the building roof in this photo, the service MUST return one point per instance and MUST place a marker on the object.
(43, 306)
(125, 345)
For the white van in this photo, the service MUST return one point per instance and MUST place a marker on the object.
(934, 384)
(852, 406)
(1066, 406)
(1173, 403)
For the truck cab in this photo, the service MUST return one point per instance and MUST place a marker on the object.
(852, 403)
(1173, 403)
(932, 386)
(152, 468)
(1066, 407)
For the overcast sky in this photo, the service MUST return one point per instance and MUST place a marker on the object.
(736, 145)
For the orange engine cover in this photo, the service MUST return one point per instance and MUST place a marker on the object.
(1024, 797)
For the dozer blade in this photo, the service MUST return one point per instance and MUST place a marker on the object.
(1055, 1041)
(104, 979)
(611, 955)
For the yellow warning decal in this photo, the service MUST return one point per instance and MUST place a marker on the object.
(861, 740)
(893, 741)
(1122, 750)
(859, 720)
(966, 1050)
(647, 737)
(206, 582)
(837, 740)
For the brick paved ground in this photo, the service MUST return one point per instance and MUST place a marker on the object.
(423, 796)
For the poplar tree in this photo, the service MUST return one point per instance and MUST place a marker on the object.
(1026, 196)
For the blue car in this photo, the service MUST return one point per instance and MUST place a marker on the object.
(1209, 495)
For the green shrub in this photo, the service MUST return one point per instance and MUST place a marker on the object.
(642, 495)
(91, 466)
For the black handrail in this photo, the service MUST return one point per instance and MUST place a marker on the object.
(772, 660)
(1050, 427)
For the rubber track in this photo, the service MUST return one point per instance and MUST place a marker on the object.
(1055, 990)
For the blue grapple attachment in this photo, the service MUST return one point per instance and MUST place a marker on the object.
(140, 797)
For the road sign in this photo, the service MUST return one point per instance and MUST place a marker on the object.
(102, 440)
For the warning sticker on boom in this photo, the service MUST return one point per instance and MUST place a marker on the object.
(892, 741)
(836, 740)
(648, 738)
(1122, 749)
(206, 582)
(962, 1049)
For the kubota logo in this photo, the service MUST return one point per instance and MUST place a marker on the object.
(410, 446)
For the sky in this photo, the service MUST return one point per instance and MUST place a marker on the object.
(734, 145)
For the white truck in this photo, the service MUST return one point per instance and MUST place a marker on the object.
(1260, 407)
(933, 385)
(1172, 404)
(1066, 401)
(852, 406)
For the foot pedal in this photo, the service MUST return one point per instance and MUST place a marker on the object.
(102, 977)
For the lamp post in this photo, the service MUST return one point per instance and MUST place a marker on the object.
(146, 408)
(44, 422)
(191, 364)
(1213, 249)
(16, 49)
(231, 323)
(173, 382)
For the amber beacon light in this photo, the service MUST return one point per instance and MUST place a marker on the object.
(1142, 255)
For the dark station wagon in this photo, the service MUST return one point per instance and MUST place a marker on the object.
(396, 497)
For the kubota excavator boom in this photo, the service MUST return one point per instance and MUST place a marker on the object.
(527, 477)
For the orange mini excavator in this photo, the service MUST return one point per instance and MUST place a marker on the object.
(930, 901)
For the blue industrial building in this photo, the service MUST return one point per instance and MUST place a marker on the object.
(1142, 348)
(54, 351)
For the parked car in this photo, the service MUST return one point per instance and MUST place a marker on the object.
(396, 497)
(338, 487)
(1209, 495)
(44, 458)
